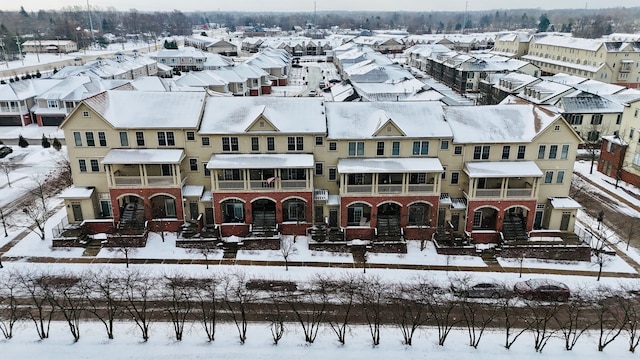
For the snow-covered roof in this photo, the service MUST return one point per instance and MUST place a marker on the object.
(569, 42)
(589, 104)
(497, 123)
(171, 110)
(598, 87)
(565, 203)
(389, 165)
(260, 161)
(192, 191)
(497, 169)
(144, 156)
(77, 192)
(615, 139)
(289, 115)
(363, 119)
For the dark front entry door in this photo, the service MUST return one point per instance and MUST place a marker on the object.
(77, 211)
(333, 218)
(208, 215)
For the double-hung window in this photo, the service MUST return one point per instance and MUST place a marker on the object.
(102, 138)
(481, 152)
(140, 138)
(255, 143)
(395, 148)
(380, 148)
(295, 143)
(229, 143)
(542, 149)
(420, 147)
(90, 140)
(505, 152)
(553, 151)
(166, 138)
(124, 139)
(356, 148)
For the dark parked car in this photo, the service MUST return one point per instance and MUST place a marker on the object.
(482, 289)
(4, 151)
(333, 81)
(542, 289)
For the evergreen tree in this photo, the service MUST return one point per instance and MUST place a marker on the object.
(56, 144)
(543, 24)
(22, 142)
(45, 142)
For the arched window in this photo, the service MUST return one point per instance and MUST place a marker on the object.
(163, 206)
(358, 214)
(233, 211)
(294, 210)
(419, 215)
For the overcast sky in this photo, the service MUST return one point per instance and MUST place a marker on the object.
(321, 5)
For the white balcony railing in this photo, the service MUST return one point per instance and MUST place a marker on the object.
(127, 180)
(390, 189)
(230, 184)
(261, 184)
(421, 188)
(293, 184)
(160, 180)
(521, 193)
(488, 193)
(359, 189)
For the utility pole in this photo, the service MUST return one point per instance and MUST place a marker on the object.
(93, 39)
(19, 49)
(4, 223)
(4, 52)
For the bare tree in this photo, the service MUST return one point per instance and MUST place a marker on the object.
(441, 307)
(33, 284)
(309, 306)
(179, 305)
(206, 249)
(599, 248)
(126, 249)
(477, 316)
(537, 317)
(9, 286)
(103, 294)
(343, 292)
(373, 296)
(207, 297)
(6, 168)
(572, 321)
(64, 292)
(509, 311)
(611, 318)
(276, 316)
(287, 249)
(237, 301)
(631, 308)
(37, 207)
(408, 310)
(138, 293)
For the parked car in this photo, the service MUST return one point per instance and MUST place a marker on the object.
(313, 93)
(542, 289)
(4, 151)
(482, 289)
(271, 285)
(333, 81)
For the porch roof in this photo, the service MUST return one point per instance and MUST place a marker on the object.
(495, 169)
(192, 191)
(389, 165)
(260, 161)
(77, 192)
(144, 156)
(565, 203)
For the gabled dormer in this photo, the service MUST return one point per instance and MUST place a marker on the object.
(387, 127)
(260, 121)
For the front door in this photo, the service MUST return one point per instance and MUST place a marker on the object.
(193, 210)
(564, 222)
(537, 220)
(208, 215)
(77, 212)
(319, 214)
(333, 218)
(455, 221)
(442, 213)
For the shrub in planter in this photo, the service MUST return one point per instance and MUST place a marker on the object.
(45, 142)
(22, 142)
(56, 144)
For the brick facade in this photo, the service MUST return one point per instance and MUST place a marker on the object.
(249, 197)
(146, 194)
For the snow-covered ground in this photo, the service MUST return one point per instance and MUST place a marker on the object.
(127, 344)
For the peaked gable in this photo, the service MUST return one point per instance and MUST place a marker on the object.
(389, 128)
(260, 120)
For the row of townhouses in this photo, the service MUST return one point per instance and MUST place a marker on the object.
(367, 170)
(613, 60)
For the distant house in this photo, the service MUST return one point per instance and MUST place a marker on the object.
(49, 46)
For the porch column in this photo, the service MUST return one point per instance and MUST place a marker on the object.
(536, 187)
(110, 179)
(214, 179)
(437, 184)
(342, 186)
(176, 174)
(374, 183)
(245, 179)
(142, 169)
(504, 187)
(405, 183)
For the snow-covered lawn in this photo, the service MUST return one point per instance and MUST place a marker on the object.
(127, 344)
(428, 256)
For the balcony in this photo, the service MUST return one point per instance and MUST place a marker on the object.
(231, 184)
(361, 189)
(127, 180)
(390, 189)
(418, 188)
(293, 184)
